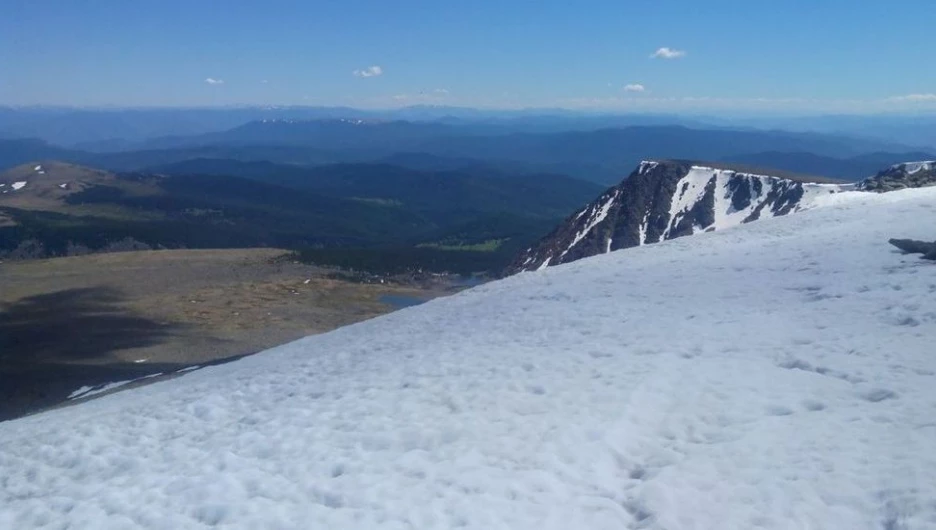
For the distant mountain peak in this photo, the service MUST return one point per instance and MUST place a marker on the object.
(349, 121)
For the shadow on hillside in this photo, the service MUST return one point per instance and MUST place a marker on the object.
(74, 324)
(52, 344)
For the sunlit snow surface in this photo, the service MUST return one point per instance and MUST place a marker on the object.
(778, 374)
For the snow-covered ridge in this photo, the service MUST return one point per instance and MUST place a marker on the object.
(664, 200)
(900, 176)
(774, 376)
(913, 167)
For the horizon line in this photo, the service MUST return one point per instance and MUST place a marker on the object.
(492, 109)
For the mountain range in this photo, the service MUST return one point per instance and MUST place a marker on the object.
(124, 128)
(602, 155)
(336, 183)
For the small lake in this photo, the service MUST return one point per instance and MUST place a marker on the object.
(399, 301)
(469, 281)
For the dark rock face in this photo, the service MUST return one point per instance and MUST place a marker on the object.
(900, 176)
(912, 246)
(665, 200)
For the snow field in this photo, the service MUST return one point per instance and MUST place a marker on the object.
(779, 374)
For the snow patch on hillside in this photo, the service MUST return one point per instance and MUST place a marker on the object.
(642, 229)
(778, 375)
(646, 166)
(18, 185)
(915, 167)
(88, 391)
(691, 189)
(597, 216)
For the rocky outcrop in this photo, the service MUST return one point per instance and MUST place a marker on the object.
(665, 200)
(912, 246)
(900, 176)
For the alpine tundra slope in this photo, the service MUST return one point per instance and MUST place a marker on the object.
(778, 374)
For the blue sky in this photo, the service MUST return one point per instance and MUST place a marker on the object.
(740, 55)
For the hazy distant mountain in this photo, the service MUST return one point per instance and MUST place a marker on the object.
(852, 168)
(123, 129)
(603, 156)
(918, 129)
(108, 129)
(612, 152)
(441, 195)
(105, 129)
(338, 134)
(14, 152)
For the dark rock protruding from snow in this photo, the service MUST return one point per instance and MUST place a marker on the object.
(665, 200)
(900, 176)
(912, 246)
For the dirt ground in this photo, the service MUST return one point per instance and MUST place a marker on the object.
(89, 320)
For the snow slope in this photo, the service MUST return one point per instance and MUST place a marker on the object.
(776, 375)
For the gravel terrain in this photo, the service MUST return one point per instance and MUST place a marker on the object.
(90, 320)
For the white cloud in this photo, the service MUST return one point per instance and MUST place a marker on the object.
(634, 87)
(213, 81)
(264, 81)
(441, 91)
(668, 53)
(370, 71)
(915, 98)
